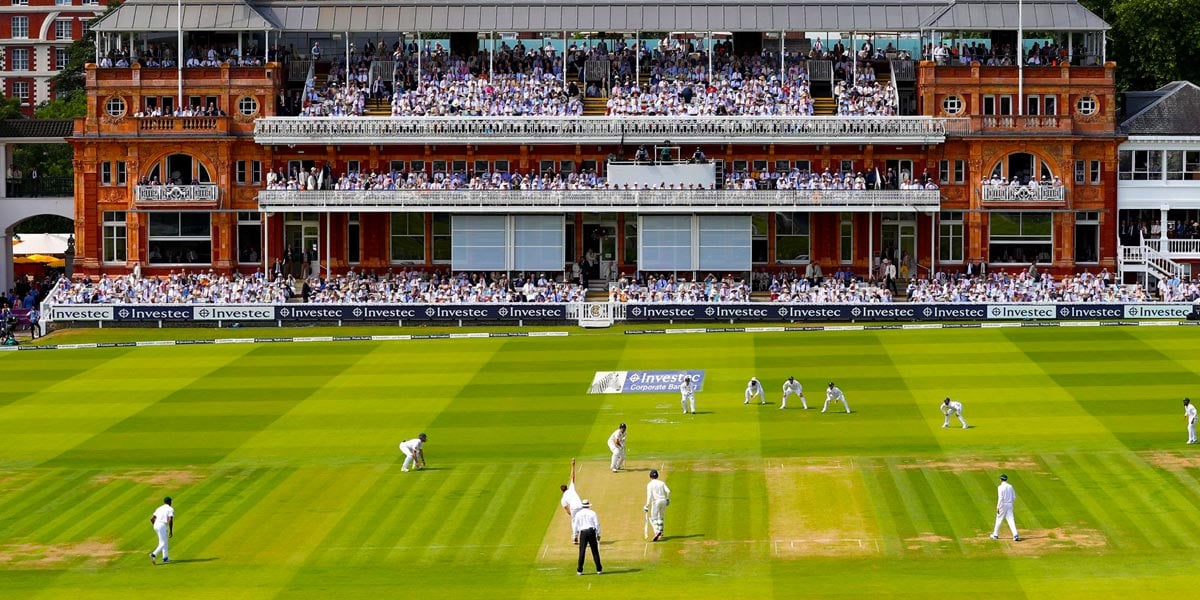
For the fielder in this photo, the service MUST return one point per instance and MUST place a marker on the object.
(571, 502)
(1006, 495)
(658, 498)
(754, 390)
(414, 452)
(791, 387)
(834, 393)
(163, 521)
(616, 444)
(687, 395)
(952, 407)
(1189, 411)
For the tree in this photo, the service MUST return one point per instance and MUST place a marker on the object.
(10, 108)
(71, 79)
(1152, 41)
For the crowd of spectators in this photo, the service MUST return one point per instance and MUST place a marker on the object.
(198, 287)
(799, 179)
(431, 288)
(1025, 286)
(163, 56)
(668, 288)
(866, 97)
(1004, 55)
(1032, 183)
(394, 180)
(841, 288)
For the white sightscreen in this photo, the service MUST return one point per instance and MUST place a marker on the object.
(477, 242)
(538, 243)
(665, 243)
(725, 242)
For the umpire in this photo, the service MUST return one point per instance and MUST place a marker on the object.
(588, 525)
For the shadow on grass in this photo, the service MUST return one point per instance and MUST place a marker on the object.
(621, 571)
(181, 561)
(682, 537)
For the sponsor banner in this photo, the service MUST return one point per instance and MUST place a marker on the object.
(1158, 311)
(643, 382)
(1012, 312)
(154, 312)
(234, 313)
(79, 312)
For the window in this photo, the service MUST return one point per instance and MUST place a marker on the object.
(353, 166)
(86, 26)
(482, 166)
(950, 236)
(18, 59)
(1087, 106)
(759, 248)
(566, 166)
(989, 105)
(248, 172)
(122, 174)
(62, 2)
(1183, 165)
(1139, 165)
(180, 238)
(1033, 105)
(114, 237)
(952, 104)
(804, 166)
(417, 166)
(408, 237)
(631, 237)
(791, 237)
(396, 166)
(1020, 237)
(113, 171)
(740, 166)
(20, 89)
(502, 166)
(1006, 105)
(846, 252)
(106, 173)
(60, 59)
(960, 171)
(441, 238)
(1096, 173)
(353, 239)
(944, 171)
(20, 28)
(458, 167)
(545, 166)
(783, 166)
(249, 237)
(1080, 172)
(1024, 166)
(1049, 105)
(115, 107)
(20, 2)
(759, 166)
(1087, 237)
(847, 166)
(64, 29)
(248, 106)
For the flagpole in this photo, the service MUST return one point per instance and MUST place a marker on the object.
(180, 53)
(1020, 57)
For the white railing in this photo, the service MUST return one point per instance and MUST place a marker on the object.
(1161, 265)
(602, 200)
(1175, 248)
(1004, 193)
(391, 130)
(178, 193)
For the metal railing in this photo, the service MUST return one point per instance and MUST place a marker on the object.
(298, 69)
(603, 200)
(1175, 248)
(388, 130)
(1004, 193)
(205, 192)
(180, 124)
(42, 187)
(1161, 265)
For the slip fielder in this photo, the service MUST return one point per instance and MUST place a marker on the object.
(952, 408)
(834, 393)
(791, 387)
(414, 452)
(754, 390)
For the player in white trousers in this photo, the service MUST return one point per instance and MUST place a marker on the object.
(414, 452)
(834, 393)
(687, 395)
(754, 390)
(658, 498)
(1189, 411)
(791, 387)
(616, 445)
(1005, 497)
(952, 408)
(571, 502)
(163, 521)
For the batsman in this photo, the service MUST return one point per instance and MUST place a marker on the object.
(414, 453)
(658, 498)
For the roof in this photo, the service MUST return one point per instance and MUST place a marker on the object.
(393, 16)
(36, 128)
(1173, 113)
(1039, 15)
(198, 15)
(39, 243)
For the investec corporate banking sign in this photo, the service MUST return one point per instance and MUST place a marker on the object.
(643, 382)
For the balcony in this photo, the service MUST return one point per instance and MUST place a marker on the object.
(182, 125)
(1024, 194)
(197, 196)
(607, 201)
(601, 130)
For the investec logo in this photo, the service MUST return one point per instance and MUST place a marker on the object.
(735, 312)
(1157, 311)
(1020, 311)
(884, 311)
(224, 313)
(1070, 311)
(383, 312)
(80, 313)
(954, 312)
(145, 313)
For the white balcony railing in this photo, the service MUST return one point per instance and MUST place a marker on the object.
(1187, 249)
(1004, 193)
(645, 201)
(178, 193)
(599, 130)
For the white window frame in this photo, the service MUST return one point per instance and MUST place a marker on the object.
(23, 28)
(60, 24)
(19, 59)
(61, 58)
(950, 237)
(20, 90)
(114, 230)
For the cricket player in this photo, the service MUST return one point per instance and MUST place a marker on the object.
(658, 498)
(163, 521)
(791, 387)
(414, 452)
(616, 444)
(687, 395)
(952, 407)
(834, 393)
(1006, 495)
(754, 390)
(1189, 411)
(588, 525)
(571, 502)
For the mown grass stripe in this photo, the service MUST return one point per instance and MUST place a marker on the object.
(206, 517)
(1158, 502)
(890, 511)
(39, 510)
(1122, 532)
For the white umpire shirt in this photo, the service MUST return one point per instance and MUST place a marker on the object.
(586, 519)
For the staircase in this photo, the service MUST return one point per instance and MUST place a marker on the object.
(1149, 262)
(824, 106)
(595, 107)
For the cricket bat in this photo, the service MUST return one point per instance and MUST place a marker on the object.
(646, 526)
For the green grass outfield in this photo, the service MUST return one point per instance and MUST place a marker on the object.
(283, 464)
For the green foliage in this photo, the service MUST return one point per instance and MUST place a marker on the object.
(45, 224)
(73, 104)
(1153, 42)
(10, 108)
(51, 160)
(71, 79)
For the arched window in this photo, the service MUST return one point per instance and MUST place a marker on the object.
(1023, 166)
(178, 169)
